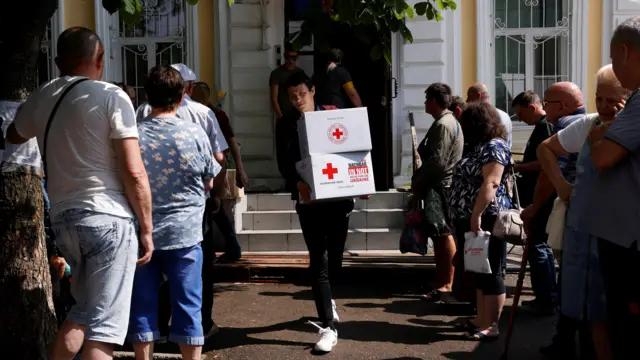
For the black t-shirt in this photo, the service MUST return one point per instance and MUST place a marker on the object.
(527, 181)
(330, 88)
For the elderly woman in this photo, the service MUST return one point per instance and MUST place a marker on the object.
(479, 193)
(582, 285)
(179, 160)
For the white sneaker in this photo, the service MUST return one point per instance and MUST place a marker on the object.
(328, 339)
(336, 318)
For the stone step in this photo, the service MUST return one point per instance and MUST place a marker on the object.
(288, 219)
(282, 201)
(292, 240)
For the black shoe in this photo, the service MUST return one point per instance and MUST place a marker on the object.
(539, 307)
(226, 258)
(558, 352)
(210, 331)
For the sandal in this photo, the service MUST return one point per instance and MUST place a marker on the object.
(482, 337)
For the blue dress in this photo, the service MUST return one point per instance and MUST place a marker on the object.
(582, 283)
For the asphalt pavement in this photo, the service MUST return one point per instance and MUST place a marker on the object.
(381, 316)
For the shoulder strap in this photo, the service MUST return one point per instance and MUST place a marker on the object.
(51, 116)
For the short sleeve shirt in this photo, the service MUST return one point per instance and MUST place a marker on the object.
(468, 178)
(82, 171)
(279, 77)
(573, 137)
(197, 113)
(568, 163)
(178, 158)
(614, 207)
(505, 120)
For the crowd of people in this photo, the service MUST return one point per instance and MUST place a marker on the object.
(128, 191)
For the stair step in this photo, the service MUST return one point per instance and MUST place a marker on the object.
(291, 240)
(288, 219)
(282, 201)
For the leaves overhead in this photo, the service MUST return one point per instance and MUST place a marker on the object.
(372, 20)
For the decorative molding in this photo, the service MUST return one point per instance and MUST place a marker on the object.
(485, 58)
(222, 53)
(193, 42)
(456, 80)
(103, 24)
(580, 44)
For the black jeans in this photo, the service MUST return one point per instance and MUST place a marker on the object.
(621, 271)
(325, 227)
(490, 284)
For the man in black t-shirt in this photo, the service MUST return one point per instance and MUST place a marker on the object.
(529, 109)
(336, 87)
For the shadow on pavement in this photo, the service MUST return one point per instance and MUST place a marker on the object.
(416, 307)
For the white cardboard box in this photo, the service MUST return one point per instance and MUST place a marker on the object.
(332, 176)
(334, 131)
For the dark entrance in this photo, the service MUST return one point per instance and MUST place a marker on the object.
(372, 80)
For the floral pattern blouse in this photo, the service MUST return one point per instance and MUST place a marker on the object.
(467, 179)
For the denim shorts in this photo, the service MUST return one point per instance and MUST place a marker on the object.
(101, 250)
(183, 269)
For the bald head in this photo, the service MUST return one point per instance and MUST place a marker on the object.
(628, 33)
(625, 52)
(478, 92)
(562, 99)
(79, 52)
(567, 92)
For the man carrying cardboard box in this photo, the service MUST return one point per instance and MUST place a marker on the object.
(324, 224)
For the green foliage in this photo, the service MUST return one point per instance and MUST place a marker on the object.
(372, 20)
(131, 10)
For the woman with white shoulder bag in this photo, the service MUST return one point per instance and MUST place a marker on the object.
(582, 285)
(479, 193)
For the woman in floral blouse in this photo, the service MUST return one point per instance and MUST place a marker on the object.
(478, 194)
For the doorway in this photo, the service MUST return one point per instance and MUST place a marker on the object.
(371, 78)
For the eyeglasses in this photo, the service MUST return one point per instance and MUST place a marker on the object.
(546, 103)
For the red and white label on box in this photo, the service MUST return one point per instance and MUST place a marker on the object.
(333, 176)
(334, 131)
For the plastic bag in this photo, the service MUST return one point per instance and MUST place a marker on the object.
(555, 225)
(412, 239)
(476, 252)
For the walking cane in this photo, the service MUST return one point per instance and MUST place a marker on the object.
(519, 284)
(516, 302)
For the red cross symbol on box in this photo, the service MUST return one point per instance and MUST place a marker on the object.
(329, 171)
(337, 133)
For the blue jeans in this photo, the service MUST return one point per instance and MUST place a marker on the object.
(542, 269)
(101, 250)
(183, 269)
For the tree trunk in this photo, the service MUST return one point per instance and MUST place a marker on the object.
(26, 308)
(22, 26)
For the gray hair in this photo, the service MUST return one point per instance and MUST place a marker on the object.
(628, 33)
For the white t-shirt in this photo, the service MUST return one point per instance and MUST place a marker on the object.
(197, 113)
(27, 154)
(82, 172)
(572, 137)
(505, 120)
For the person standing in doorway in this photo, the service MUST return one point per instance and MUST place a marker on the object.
(480, 92)
(280, 102)
(324, 242)
(440, 151)
(335, 87)
(97, 185)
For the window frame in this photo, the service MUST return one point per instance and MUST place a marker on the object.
(486, 59)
